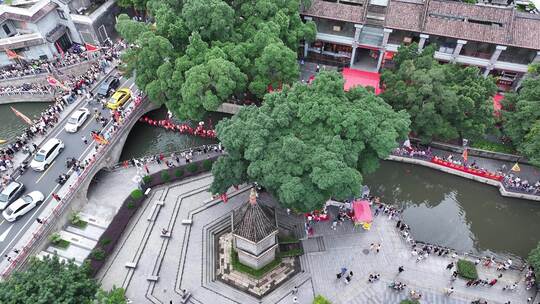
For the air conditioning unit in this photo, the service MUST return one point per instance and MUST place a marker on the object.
(336, 28)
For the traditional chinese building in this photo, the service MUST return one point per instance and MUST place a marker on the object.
(490, 34)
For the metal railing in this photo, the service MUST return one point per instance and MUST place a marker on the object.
(95, 157)
(146, 158)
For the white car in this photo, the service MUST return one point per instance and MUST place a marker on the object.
(23, 205)
(76, 120)
(46, 154)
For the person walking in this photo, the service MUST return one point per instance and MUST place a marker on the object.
(400, 269)
(85, 141)
(449, 266)
(294, 290)
(56, 197)
(295, 300)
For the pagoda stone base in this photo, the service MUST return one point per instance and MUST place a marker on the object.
(260, 287)
(257, 262)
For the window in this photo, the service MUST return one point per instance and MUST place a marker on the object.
(61, 14)
(6, 29)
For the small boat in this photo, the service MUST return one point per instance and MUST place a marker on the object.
(3, 141)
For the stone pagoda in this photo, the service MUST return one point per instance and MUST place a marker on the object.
(254, 229)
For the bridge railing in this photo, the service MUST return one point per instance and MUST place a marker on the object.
(146, 158)
(132, 112)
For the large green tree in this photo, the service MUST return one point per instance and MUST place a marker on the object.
(254, 42)
(521, 119)
(210, 84)
(445, 101)
(308, 143)
(49, 281)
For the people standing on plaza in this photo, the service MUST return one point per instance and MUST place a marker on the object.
(400, 269)
(343, 271)
(294, 290)
(450, 266)
(56, 197)
(84, 140)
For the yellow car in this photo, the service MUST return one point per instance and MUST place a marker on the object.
(119, 98)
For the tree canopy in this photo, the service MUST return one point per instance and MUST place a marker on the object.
(308, 143)
(239, 47)
(445, 101)
(521, 119)
(49, 281)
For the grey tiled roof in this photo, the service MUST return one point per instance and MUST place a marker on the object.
(405, 15)
(448, 19)
(336, 11)
(526, 30)
(435, 22)
(254, 221)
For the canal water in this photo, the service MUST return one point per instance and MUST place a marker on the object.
(440, 208)
(459, 213)
(145, 140)
(12, 126)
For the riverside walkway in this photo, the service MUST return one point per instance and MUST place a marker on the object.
(154, 269)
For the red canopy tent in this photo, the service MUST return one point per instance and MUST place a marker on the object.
(362, 214)
(354, 77)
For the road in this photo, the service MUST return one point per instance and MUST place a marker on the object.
(45, 181)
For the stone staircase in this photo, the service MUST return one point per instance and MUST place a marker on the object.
(81, 240)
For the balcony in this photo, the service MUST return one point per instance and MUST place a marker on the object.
(510, 66)
(21, 41)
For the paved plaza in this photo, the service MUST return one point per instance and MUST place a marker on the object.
(154, 268)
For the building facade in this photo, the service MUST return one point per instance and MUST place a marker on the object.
(365, 34)
(43, 29)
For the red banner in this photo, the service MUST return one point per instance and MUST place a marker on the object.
(472, 171)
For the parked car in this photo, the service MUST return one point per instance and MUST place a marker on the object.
(10, 193)
(46, 155)
(24, 204)
(76, 120)
(107, 86)
(119, 98)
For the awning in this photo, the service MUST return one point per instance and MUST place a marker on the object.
(354, 77)
(56, 33)
(362, 212)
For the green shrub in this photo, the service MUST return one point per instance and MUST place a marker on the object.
(467, 270)
(207, 164)
(147, 178)
(534, 259)
(105, 241)
(75, 220)
(57, 241)
(191, 167)
(136, 194)
(291, 253)
(178, 172)
(130, 205)
(407, 301)
(165, 176)
(494, 147)
(98, 254)
(321, 300)
(257, 273)
(287, 239)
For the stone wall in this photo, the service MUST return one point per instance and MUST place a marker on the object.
(28, 97)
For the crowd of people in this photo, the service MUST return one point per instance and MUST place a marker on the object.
(49, 117)
(183, 128)
(510, 180)
(515, 183)
(33, 88)
(175, 159)
(22, 67)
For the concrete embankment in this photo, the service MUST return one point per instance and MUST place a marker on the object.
(480, 179)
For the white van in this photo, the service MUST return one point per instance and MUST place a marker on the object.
(46, 154)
